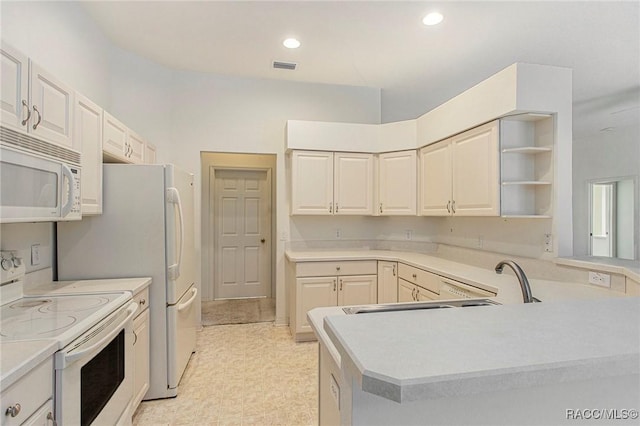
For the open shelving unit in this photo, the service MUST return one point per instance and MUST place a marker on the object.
(526, 166)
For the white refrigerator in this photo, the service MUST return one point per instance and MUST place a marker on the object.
(145, 230)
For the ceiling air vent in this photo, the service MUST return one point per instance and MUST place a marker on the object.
(284, 65)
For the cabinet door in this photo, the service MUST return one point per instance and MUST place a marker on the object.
(136, 148)
(357, 290)
(353, 184)
(312, 293)
(52, 107)
(405, 291)
(476, 187)
(397, 183)
(14, 96)
(311, 182)
(43, 417)
(423, 294)
(387, 282)
(114, 139)
(141, 358)
(87, 138)
(149, 153)
(435, 179)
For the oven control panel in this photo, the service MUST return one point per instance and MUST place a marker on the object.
(11, 266)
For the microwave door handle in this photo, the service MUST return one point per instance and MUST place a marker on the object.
(68, 359)
(66, 172)
(185, 305)
(174, 197)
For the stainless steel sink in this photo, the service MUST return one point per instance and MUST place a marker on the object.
(435, 304)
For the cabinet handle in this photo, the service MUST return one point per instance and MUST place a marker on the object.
(135, 338)
(35, 126)
(143, 301)
(417, 293)
(380, 207)
(335, 285)
(413, 294)
(53, 419)
(26, 105)
(453, 206)
(338, 268)
(394, 270)
(13, 410)
(330, 207)
(341, 285)
(449, 206)
(336, 207)
(414, 276)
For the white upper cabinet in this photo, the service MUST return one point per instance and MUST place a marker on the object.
(114, 141)
(311, 182)
(324, 183)
(397, 181)
(460, 176)
(87, 139)
(52, 107)
(35, 101)
(435, 179)
(149, 153)
(136, 148)
(353, 184)
(14, 92)
(476, 186)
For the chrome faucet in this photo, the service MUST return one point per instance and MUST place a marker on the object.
(522, 278)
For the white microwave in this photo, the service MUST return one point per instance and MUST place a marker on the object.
(39, 181)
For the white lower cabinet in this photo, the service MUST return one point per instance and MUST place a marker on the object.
(387, 282)
(140, 349)
(416, 284)
(22, 402)
(42, 417)
(311, 286)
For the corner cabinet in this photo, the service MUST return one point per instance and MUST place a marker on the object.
(321, 284)
(397, 181)
(460, 176)
(327, 183)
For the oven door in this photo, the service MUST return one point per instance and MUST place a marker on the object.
(94, 374)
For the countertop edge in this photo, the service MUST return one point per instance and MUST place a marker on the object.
(28, 361)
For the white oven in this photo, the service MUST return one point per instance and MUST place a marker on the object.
(94, 373)
(39, 181)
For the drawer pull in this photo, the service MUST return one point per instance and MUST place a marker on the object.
(337, 268)
(414, 276)
(53, 419)
(143, 301)
(13, 410)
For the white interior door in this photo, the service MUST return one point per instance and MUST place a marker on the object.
(242, 233)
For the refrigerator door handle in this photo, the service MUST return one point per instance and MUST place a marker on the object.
(185, 305)
(173, 196)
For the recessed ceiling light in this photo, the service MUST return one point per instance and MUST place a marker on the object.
(434, 18)
(291, 43)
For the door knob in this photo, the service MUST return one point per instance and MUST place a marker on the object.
(262, 240)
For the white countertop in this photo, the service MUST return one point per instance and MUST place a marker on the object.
(18, 358)
(132, 285)
(506, 284)
(416, 355)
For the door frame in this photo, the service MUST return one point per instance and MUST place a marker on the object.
(210, 162)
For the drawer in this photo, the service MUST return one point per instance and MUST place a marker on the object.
(142, 299)
(420, 277)
(31, 391)
(339, 268)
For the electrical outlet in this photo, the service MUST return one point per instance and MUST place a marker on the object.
(408, 234)
(548, 243)
(35, 254)
(338, 233)
(599, 278)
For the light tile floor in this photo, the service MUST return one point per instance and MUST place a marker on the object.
(249, 374)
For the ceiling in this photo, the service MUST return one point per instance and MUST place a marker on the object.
(384, 44)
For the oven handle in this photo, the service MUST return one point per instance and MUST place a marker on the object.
(131, 311)
(185, 305)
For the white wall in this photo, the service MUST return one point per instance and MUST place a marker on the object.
(603, 155)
